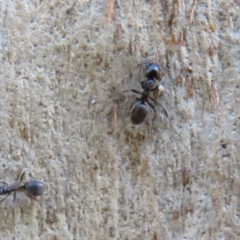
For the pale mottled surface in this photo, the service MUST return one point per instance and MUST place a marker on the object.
(120, 182)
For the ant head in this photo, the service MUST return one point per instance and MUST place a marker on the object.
(152, 71)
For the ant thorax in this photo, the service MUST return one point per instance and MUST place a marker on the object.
(148, 84)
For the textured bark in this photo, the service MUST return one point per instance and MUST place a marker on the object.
(64, 120)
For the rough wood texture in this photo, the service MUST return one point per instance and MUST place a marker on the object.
(63, 64)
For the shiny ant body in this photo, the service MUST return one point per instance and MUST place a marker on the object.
(139, 111)
(32, 188)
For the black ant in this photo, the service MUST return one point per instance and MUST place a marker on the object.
(139, 111)
(32, 188)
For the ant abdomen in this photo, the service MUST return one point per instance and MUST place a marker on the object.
(35, 188)
(139, 113)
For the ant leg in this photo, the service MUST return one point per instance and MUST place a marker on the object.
(14, 204)
(30, 196)
(131, 107)
(21, 176)
(137, 99)
(153, 108)
(4, 198)
(132, 90)
(14, 197)
(164, 110)
(164, 68)
(135, 91)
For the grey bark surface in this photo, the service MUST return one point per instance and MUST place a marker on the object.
(65, 120)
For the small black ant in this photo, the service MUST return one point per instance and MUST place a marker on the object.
(32, 188)
(139, 111)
